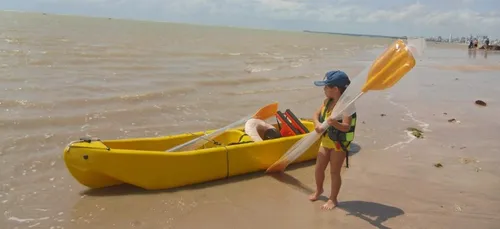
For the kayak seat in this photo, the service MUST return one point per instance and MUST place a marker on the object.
(296, 122)
(289, 124)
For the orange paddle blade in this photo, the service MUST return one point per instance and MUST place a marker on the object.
(266, 112)
(278, 166)
(294, 152)
(390, 67)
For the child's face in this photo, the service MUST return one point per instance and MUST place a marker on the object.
(332, 92)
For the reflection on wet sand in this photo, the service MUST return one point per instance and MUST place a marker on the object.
(472, 53)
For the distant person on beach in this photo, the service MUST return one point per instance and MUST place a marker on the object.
(336, 139)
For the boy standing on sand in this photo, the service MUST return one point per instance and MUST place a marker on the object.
(337, 138)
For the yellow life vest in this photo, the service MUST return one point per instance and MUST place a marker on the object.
(334, 134)
(337, 135)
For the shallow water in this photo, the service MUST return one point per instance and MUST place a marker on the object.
(66, 77)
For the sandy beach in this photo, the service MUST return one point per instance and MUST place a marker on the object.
(121, 79)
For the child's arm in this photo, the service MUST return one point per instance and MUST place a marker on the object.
(343, 126)
(316, 116)
(317, 113)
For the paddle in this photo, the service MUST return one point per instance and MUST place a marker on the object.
(263, 113)
(386, 70)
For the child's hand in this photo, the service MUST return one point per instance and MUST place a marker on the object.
(331, 122)
(319, 129)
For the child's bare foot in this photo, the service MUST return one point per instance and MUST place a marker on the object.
(315, 196)
(329, 205)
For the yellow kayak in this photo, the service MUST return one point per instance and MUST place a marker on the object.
(143, 162)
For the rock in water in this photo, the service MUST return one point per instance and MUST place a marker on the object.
(480, 103)
(416, 132)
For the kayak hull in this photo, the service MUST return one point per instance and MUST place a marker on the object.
(143, 162)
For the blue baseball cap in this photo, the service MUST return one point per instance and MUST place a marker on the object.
(334, 78)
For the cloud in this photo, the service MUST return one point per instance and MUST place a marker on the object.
(390, 16)
(462, 18)
(414, 13)
(418, 15)
(405, 13)
(280, 5)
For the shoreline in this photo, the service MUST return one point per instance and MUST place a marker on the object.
(357, 35)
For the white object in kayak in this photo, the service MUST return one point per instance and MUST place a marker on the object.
(255, 128)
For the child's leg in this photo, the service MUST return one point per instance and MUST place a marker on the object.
(336, 161)
(321, 162)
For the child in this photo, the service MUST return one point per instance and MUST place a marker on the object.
(335, 140)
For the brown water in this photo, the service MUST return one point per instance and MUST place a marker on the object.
(66, 77)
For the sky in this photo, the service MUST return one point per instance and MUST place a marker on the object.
(381, 17)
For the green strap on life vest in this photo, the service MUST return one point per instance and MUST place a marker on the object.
(322, 116)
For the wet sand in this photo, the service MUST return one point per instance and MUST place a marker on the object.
(392, 182)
